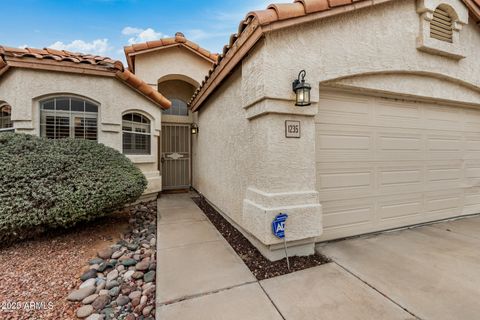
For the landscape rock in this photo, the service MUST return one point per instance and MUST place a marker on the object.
(90, 299)
(89, 283)
(105, 253)
(84, 311)
(94, 316)
(101, 302)
(80, 294)
(92, 273)
(142, 265)
(122, 300)
(149, 276)
(112, 275)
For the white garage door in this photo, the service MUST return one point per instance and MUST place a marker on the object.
(386, 163)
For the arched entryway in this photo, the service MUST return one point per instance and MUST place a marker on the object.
(175, 145)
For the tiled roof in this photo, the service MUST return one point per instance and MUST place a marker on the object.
(256, 23)
(178, 40)
(65, 61)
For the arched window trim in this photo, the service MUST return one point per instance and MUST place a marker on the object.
(68, 116)
(6, 123)
(136, 133)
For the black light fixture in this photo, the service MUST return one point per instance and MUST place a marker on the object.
(302, 90)
(194, 128)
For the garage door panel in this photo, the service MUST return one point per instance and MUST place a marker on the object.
(399, 146)
(346, 110)
(395, 114)
(443, 118)
(337, 214)
(400, 206)
(354, 180)
(443, 146)
(450, 202)
(472, 120)
(406, 163)
(354, 145)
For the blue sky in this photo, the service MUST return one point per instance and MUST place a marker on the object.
(104, 26)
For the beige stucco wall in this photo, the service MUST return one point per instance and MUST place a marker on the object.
(381, 39)
(244, 164)
(166, 63)
(24, 88)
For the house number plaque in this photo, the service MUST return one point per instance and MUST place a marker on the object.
(292, 129)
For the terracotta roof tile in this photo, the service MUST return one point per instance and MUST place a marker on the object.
(178, 40)
(276, 13)
(66, 61)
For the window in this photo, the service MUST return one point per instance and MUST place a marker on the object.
(441, 26)
(136, 134)
(65, 117)
(178, 108)
(6, 123)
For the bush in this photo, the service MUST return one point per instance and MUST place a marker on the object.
(48, 184)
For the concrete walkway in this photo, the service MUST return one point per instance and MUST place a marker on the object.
(199, 276)
(432, 271)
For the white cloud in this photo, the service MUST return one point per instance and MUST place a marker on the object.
(141, 35)
(98, 46)
(23, 46)
(199, 34)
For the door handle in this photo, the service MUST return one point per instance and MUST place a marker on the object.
(162, 159)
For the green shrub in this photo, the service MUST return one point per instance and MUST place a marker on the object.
(47, 184)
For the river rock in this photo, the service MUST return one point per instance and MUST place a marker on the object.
(80, 294)
(122, 300)
(105, 253)
(112, 275)
(84, 311)
(92, 273)
(94, 316)
(101, 302)
(129, 262)
(142, 265)
(149, 276)
(90, 298)
(128, 275)
(89, 283)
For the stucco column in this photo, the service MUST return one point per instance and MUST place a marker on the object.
(283, 179)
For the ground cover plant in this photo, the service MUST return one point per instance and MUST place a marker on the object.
(47, 184)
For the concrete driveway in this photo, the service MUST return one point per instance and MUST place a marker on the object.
(432, 272)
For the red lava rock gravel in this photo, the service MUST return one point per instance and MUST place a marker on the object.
(37, 275)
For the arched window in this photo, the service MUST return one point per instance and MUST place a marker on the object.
(6, 123)
(441, 26)
(178, 108)
(68, 117)
(136, 134)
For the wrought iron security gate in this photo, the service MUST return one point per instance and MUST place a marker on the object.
(175, 156)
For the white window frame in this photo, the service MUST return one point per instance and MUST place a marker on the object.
(136, 128)
(70, 114)
(10, 128)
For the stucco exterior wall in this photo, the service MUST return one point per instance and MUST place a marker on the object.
(244, 164)
(23, 89)
(167, 64)
(382, 38)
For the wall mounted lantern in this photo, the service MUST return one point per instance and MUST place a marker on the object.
(194, 128)
(302, 90)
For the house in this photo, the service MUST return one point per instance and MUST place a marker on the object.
(384, 133)
(60, 94)
(392, 135)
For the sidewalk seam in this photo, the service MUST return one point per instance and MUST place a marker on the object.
(198, 295)
(383, 295)
(273, 303)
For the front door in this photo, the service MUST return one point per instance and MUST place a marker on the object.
(175, 156)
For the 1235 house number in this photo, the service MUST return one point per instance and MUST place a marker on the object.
(292, 129)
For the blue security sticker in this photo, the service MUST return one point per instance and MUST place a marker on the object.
(278, 225)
